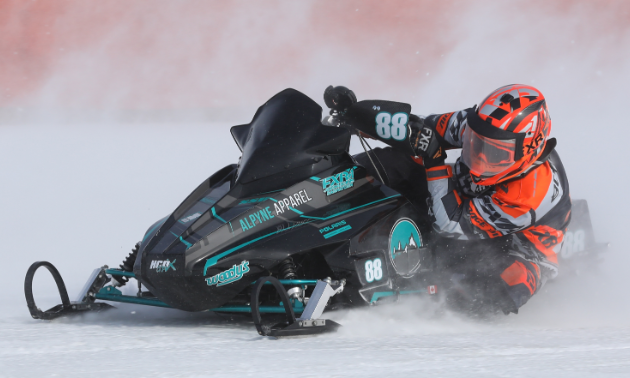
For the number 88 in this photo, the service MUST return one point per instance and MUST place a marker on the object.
(392, 126)
(373, 270)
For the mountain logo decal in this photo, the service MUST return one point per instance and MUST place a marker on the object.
(405, 242)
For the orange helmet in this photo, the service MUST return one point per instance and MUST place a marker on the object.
(506, 134)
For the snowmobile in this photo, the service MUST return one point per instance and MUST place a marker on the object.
(296, 227)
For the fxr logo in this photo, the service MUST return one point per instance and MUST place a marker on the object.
(338, 182)
(425, 139)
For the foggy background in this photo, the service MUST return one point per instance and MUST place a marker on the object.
(111, 112)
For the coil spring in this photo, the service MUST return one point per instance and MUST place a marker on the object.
(127, 264)
(288, 269)
(288, 272)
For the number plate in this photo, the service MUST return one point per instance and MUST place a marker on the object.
(372, 270)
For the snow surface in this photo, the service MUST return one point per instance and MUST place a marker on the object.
(81, 196)
(166, 343)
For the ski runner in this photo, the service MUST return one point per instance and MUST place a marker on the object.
(506, 197)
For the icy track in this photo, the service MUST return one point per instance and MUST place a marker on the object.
(81, 198)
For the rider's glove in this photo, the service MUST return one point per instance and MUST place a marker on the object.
(339, 98)
(430, 162)
(424, 139)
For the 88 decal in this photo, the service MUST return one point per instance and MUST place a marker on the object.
(392, 126)
(373, 270)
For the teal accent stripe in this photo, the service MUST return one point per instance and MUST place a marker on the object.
(216, 216)
(116, 272)
(159, 303)
(130, 299)
(349, 210)
(153, 229)
(274, 200)
(188, 245)
(295, 282)
(337, 231)
(231, 229)
(315, 178)
(381, 294)
(262, 309)
(213, 260)
(412, 292)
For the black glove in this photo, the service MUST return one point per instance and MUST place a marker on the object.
(425, 141)
(430, 162)
(339, 98)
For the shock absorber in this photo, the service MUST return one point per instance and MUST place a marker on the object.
(288, 272)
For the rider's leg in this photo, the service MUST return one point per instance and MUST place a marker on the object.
(490, 279)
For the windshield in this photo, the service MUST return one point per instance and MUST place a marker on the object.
(285, 133)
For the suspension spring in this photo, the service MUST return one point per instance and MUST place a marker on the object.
(288, 271)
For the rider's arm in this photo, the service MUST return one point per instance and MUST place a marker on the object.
(444, 130)
(392, 123)
(507, 209)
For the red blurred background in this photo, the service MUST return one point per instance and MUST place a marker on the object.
(142, 54)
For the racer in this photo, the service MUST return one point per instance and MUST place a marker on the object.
(505, 200)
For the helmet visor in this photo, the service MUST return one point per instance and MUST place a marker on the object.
(487, 157)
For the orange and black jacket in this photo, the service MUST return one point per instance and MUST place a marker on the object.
(533, 208)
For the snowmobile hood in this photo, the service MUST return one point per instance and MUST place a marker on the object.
(284, 144)
(167, 236)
